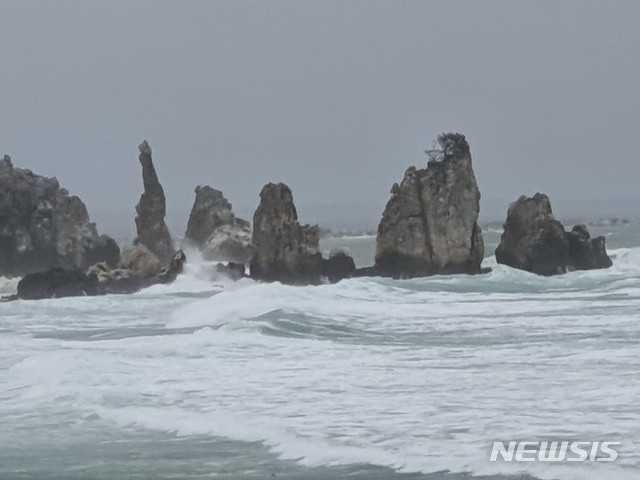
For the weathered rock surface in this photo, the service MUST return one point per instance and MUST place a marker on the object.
(339, 266)
(56, 282)
(140, 259)
(533, 240)
(230, 243)
(210, 211)
(99, 280)
(586, 253)
(214, 229)
(151, 210)
(429, 225)
(43, 227)
(284, 250)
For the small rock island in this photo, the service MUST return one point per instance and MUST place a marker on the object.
(430, 224)
(533, 240)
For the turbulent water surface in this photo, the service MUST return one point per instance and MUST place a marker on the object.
(368, 378)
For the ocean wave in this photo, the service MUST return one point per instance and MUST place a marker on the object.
(380, 297)
(200, 276)
(417, 375)
(8, 286)
(322, 406)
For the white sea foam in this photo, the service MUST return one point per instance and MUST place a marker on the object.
(417, 375)
(199, 276)
(8, 286)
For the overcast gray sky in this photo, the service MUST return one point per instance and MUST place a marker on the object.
(336, 98)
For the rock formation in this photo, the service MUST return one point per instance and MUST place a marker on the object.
(140, 259)
(339, 266)
(99, 280)
(429, 225)
(535, 241)
(56, 282)
(215, 230)
(586, 253)
(151, 210)
(43, 227)
(284, 250)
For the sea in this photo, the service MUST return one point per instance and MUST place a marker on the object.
(369, 378)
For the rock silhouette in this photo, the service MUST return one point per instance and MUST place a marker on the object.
(284, 250)
(533, 240)
(214, 229)
(151, 210)
(43, 227)
(98, 280)
(429, 225)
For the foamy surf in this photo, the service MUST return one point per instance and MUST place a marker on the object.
(417, 376)
(8, 286)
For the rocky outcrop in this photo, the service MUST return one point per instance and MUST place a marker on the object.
(533, 240)
(230, 243)
(210, 211)
(429, 225)
(141, 260)
(339, 266)
(214, 229)
(99, 280)
(151, 210)
(586, 253)
(284, 250)
(56, 282)
(43, 227)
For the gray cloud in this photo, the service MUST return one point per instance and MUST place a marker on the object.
(336, 98)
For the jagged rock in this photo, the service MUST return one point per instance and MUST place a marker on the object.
(99, 280)
(102, 272)
(210, 211)
(140, 259)
(151, 210)
(105, 250)
(214, 229)
(230, 243)
(586, 253)
(56, 282)
(284, 250)
(42, 227)
(533, 240)
(429, 225)
(123, 281)
(339, 266)
(176, 267)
